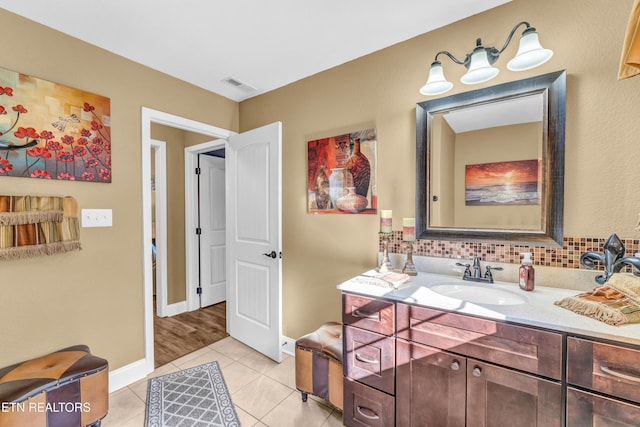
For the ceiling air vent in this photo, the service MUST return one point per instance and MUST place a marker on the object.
(245, 87)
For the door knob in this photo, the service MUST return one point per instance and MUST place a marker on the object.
(455, 365)
(273, 255)
(477, 371)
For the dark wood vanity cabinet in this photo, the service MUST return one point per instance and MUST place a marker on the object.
(369, 361)
(410, 365)
(441, 380)
(449, 390)
(603, 384)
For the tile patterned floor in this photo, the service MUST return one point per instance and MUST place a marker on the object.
(263, 391)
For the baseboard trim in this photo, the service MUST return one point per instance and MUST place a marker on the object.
(177, 308)
(139, 369)
(288, 345)
(127, 375)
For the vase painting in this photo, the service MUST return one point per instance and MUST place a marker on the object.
(342, 167)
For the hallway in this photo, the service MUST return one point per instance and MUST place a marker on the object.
(184, 333)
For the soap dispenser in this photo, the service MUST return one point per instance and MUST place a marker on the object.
(527, 274)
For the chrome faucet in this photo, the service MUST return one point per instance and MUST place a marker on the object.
(476, 275)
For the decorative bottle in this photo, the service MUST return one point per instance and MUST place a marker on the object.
(360, 169)
(527, 273)
(352, 202)
(339, 182)
(323, 200)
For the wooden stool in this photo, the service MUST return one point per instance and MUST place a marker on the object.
(68, 388)
(319, 364)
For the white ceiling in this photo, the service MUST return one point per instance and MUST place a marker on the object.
(264, 44)
(512, 111)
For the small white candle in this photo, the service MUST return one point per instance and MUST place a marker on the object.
(409, 229)
(385, 221)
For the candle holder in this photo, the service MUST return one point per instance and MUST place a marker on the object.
(385, 265)
(409, 268)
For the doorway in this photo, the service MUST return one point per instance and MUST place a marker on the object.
(253, 190)
(177, 331)
(150, 116)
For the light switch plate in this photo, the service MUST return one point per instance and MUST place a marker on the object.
(96, 217)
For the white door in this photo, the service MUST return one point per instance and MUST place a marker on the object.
(254, 223)
(213, 230)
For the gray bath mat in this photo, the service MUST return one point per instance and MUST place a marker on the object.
(194, 397)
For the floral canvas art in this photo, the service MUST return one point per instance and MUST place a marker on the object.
(51, 131)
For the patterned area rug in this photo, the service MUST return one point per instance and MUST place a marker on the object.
(194, 397)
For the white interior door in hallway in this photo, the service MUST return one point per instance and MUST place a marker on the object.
(213, 248)
(254, 238)
(255, 317)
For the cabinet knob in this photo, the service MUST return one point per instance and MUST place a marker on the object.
(476, 371)
(455, 365)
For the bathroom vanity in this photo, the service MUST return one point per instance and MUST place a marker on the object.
(443, 352)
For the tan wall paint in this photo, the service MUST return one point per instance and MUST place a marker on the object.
(442, 173)
(93, 296)
(602, 156)
(176, 265)
(500, 144)
(176, 141)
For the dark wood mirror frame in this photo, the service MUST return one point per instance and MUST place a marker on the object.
(553, 88)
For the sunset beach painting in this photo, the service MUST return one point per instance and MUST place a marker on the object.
(503, 183)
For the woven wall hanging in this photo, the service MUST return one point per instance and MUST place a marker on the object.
(32, 226)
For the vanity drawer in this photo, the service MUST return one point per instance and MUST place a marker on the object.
(605, 368)
(518, 347)
(366, 406)
(370, 358)
(369, 313)
(586, 409)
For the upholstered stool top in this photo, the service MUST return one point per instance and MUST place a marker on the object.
(327, 339)
(26, 379)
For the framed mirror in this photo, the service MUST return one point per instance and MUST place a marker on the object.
(490, 163)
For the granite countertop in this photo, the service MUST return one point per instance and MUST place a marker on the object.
(538, 308)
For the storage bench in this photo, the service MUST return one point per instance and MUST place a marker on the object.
(68, 388)
(319, 363)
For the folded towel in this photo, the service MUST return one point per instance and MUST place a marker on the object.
(391, 279)
(630, 60)
(616, 303)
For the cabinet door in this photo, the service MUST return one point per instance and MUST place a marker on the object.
(498, 397)
(588, 410)
(431, 386)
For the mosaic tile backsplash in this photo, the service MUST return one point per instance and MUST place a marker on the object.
(568, 256)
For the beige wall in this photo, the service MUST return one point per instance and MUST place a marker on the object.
(499, 144)
(176, 141)
(93, 296)
(442, 179)
(602, 155)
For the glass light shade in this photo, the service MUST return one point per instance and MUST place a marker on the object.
(436, 83)
(479, 68)
(530, 53)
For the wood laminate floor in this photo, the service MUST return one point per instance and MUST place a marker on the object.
(184, 333)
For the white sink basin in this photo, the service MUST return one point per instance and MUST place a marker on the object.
(478, 293)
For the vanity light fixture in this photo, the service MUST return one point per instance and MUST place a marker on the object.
(479, 63)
